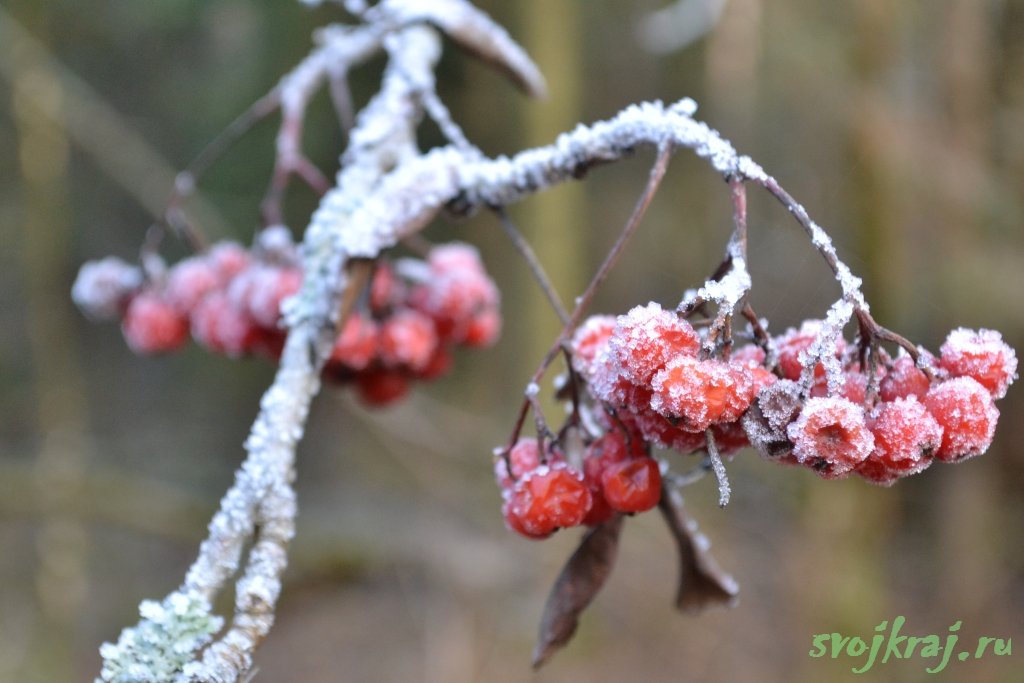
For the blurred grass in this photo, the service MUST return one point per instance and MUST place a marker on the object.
(899, 126)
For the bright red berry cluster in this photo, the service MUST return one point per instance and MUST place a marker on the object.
(614, 474)
(934, 409)
(882, 423)
(647, 366)
(230, 300)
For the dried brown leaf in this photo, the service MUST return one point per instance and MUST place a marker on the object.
(702, 583)
(580, 580)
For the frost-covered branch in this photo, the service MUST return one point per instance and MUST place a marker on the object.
(386, 190)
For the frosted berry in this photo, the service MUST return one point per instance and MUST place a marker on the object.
(588, 341)
(632, 485)
(965, 410)
(830, 436)
(386, 290)
(103, 289)
(657, 429)
(356, 346)
(700, 393)
(189, 281)
(524, 457)
(982, 355)
(647, 338)
(906, 436)
(264, 290)
(547, 499)
(439, 364)
(853, 389)
(904, 379)
(456, 290)
(730, 437)
(766, 421)
(229, 259)
(790, 348)
(407, 339)
(222, 327)
(483, 329)
(152, 325)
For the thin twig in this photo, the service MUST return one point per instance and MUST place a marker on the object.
(536, 268)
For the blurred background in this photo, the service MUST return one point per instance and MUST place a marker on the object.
(900, 126)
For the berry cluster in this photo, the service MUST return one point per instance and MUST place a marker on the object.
(647, 366)
(229, 299)
(654, 380)
(614, 474)
(885, 423)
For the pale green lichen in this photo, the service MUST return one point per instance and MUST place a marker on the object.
(158, 648)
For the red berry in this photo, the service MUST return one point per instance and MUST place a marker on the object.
(906, 436)
(632, 485)
(222, 327)
(456, 290)
(588, 342)
(260, 289)
(523, 457)
(657, 429)
(103, 289)
(189, 281)
(982, 355)
(730, 437)
(647, 338)
(854, 389)
(751, 354)
(378, 387)
(546, 499)
(356, 346)
(152, 325)
(483, 329)
(386, 291)
(700, 393)
(407, 339)
(830, 436)
(791, 345)
(439, 364)
(965, 410)
(904, 379)
(229, 259)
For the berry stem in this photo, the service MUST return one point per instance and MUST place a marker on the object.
(536, 268)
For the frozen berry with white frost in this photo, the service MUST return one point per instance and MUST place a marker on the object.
(407, 339)
(103, 288)
(903, 379)
(790, 348)
(830, 436)
(222, 327)
(700, 393)
(968, 415)
(982, 355)
(189, 281)
(588, 341)
(152, 325)
(906, 437)
(356, 345)
(648, 337)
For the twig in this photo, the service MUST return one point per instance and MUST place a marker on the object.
(534, 264)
